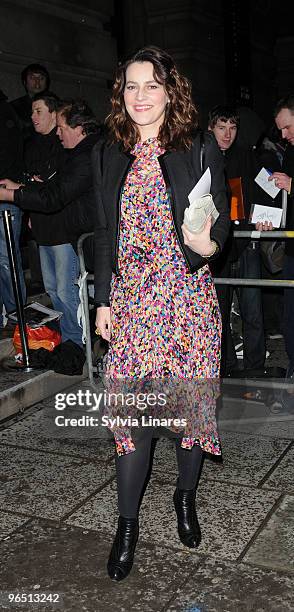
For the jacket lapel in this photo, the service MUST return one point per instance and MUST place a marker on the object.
(116, 166)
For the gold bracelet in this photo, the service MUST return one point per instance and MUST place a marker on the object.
(215, 250)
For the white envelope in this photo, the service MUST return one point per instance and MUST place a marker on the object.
(260, 214)
(268, 186)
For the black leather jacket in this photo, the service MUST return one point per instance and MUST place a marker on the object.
(181, 170)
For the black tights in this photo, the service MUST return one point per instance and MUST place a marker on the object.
(132, 470)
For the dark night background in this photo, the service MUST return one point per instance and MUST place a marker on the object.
(233, 51)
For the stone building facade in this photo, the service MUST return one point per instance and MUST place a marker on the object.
(72, 39)
(226, 47)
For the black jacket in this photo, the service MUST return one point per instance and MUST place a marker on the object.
(181, 170)
(288, 168)
(23, 109)
(70, 189)
(44, 155)
(11, 142)
(240, 162)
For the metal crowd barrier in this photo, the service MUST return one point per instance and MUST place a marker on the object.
(84, 290)
(258, 282)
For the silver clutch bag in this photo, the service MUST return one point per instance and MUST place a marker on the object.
(196, 214)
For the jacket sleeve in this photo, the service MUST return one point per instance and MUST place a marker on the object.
(55, 194)
(214, 159)
(102, 247)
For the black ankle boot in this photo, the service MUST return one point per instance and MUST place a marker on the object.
(188, 526)
(121, 557)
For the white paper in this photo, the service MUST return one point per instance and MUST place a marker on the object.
(42, 313)
(202, 187)
(266, 213)
(268, 186)
(195, 216)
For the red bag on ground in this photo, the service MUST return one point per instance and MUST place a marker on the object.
(38, 337)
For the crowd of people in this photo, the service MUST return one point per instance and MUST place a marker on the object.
(52, 180)
(157, 305)
(46, 146)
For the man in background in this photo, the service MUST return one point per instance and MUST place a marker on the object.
(35, 79)
(284, 118)
(241, 257)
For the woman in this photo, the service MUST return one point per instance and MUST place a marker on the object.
(156, 303)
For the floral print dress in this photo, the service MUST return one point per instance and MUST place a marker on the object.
(165, 321)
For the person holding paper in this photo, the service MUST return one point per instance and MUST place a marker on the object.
(284, 118)
(156, 302)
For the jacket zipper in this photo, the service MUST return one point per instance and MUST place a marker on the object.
(171, 203)
(119, 213)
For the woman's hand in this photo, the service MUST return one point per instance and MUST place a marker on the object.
(282, 180)
(199, 243)
(10, 184)
(264, 227)
(103, 324)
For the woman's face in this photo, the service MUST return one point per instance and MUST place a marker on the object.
(145, 99)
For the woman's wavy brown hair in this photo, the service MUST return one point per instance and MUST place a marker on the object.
(181, 116)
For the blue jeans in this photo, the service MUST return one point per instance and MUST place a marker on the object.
(60, 269)
(6, 290)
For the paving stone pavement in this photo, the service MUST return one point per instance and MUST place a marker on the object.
(58, 516)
